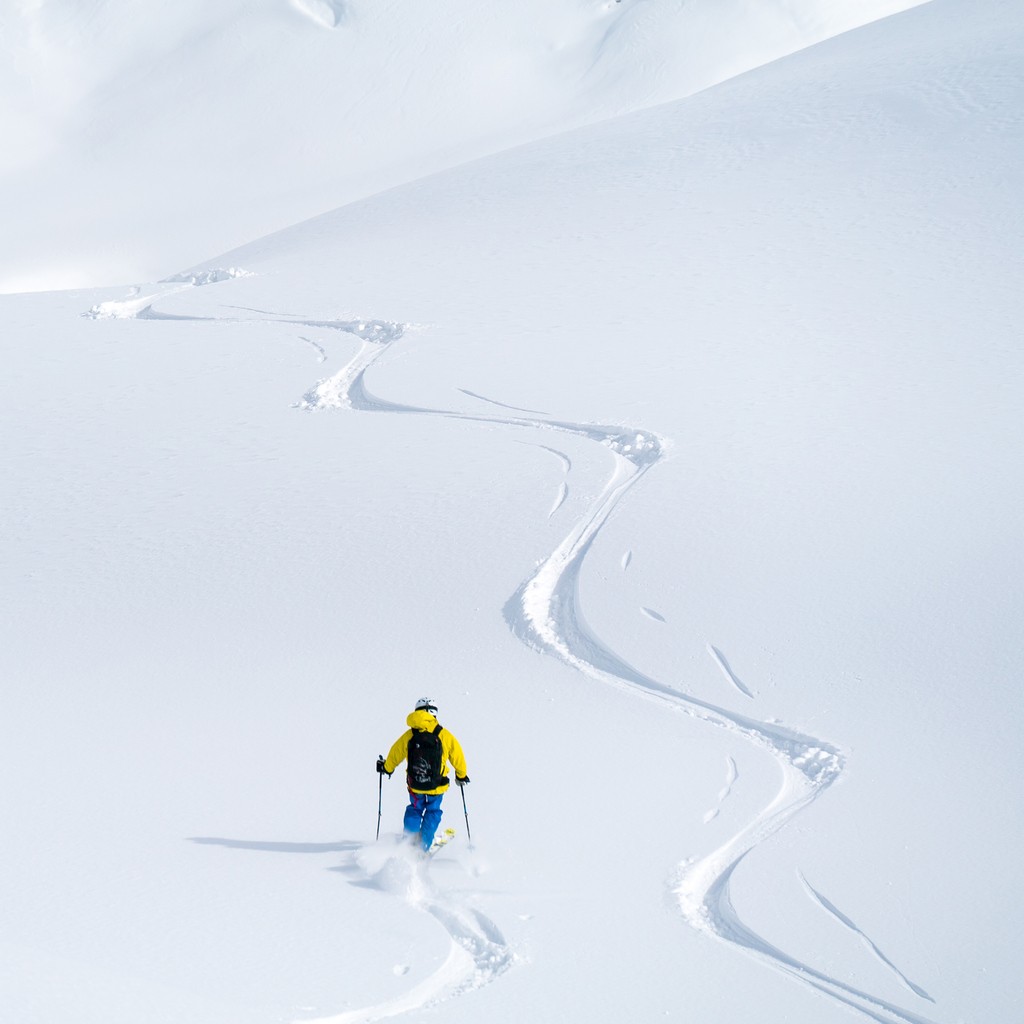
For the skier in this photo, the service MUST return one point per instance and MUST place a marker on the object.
(429, 748)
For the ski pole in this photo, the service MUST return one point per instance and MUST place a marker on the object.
(469, 835)
(380, 790)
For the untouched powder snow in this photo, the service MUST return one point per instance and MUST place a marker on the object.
(675, 457)
(141, 137)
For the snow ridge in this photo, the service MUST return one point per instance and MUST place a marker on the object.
(545, 614)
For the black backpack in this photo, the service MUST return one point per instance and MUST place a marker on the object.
(425, 758)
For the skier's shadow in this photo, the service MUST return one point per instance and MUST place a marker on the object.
(356, 875)
(354, 872)
(246, 844)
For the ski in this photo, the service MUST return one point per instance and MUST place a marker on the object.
(442, 839)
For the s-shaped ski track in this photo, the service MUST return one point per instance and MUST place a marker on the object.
(544, 613)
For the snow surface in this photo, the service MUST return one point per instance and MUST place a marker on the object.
(140, 137)
(675, 456)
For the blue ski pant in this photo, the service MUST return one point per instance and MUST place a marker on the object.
(423, 815)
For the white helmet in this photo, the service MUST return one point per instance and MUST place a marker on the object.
(426, 704)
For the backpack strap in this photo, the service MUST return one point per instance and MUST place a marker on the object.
(440, 779)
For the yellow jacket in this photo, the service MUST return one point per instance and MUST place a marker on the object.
(451, 750)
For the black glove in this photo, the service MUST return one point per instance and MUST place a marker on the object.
(380, 767)
(463, 781)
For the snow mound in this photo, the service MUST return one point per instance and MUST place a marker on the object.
(204, 277)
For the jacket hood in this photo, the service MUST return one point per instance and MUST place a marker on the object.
(422, 720)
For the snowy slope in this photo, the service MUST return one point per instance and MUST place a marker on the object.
(141, 137)
(674, 456)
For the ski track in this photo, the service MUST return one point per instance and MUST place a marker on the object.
(503, 405)
(544, 613)
(731, 677)
(830, 908)
(563, 493)
(320, 350)
(731, 775)
(563, 459)
(566, 464)
(478, 952)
